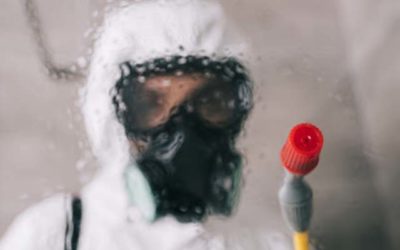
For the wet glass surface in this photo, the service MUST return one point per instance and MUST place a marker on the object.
(331, 63)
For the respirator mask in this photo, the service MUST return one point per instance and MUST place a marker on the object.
(186, 152)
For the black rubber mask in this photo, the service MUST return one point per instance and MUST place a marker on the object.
(190, 163)
(192, 171)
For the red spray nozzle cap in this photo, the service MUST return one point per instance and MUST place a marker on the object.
(300, 154)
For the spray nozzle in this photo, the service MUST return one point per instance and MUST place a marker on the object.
(300, 154)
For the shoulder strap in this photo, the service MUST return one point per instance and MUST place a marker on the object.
(73, 225)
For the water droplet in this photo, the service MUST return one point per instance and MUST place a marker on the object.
(239, 69)
(217, 94)
(82, 62)
(24, 196)
(142, 79)
(228, 183)
(182, 60)
(80, 165)
(198, 210)
(125, 82)
(166, 83)
(122, 106)
(183, 209)
(231, 104)
(189, 108)
(125, 70)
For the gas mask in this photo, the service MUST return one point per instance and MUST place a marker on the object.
(186, 153)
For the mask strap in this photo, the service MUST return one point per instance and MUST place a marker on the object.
(139, 192)
(233, 195)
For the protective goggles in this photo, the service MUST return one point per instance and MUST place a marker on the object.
(215, 93)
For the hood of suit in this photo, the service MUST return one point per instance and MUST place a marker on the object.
(138, 33)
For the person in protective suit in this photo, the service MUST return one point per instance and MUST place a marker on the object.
(166, 98)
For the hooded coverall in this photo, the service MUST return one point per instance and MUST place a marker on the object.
(137, 33)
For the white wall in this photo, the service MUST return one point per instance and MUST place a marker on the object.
(373, 49)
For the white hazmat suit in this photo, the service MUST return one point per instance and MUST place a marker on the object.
(138, 32)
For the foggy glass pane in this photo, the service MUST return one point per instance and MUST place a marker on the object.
(165, 120)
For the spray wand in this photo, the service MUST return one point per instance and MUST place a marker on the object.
(299, 156)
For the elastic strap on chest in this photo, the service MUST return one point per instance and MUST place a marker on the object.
(72, 230)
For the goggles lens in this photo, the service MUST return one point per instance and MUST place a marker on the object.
(148, 106)
(215, 92)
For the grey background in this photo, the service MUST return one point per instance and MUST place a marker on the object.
(334, 63)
